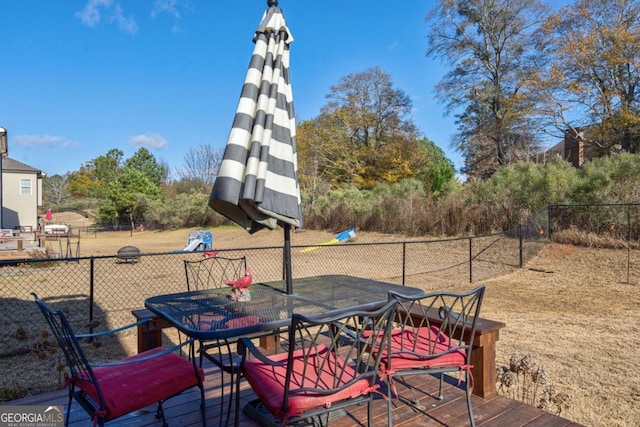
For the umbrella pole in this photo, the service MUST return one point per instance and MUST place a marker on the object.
(287, 258)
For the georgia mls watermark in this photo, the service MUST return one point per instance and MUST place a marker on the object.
(31, 416)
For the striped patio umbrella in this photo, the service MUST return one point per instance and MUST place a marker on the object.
(257, 185)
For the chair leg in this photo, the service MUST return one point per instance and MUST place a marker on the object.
(415, 402)
(200, 352)
(202, 406)
(192, 356)
(389, 402)
(226, 364)
(236, 421)
(160, 414)
(68, 414)
(229, 368)
(469, 407)
(231, 391)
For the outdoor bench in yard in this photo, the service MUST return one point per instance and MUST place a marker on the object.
(150, 333)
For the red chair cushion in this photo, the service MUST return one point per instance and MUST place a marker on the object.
(268, 382)
(207, 322)
(132, 386)
(427, 343)
(241, 322)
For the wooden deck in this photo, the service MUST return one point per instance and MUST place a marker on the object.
(184, 410)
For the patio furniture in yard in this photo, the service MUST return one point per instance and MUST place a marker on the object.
(220, 273)
(327, 368)
(107, 391)
(210, 315)
(213, 272)
(432, 334)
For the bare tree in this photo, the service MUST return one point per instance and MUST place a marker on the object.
(201, 166)
(56, 189)
(593, 81)
(489, 44)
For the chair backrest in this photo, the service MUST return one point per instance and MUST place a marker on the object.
(77, 361)
(437, 323)
(318, 340)
(213, 272)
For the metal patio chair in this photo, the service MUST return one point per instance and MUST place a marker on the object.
(219, 272)
(213, 272)
(107, 391)
(327, 368)
(432, 334)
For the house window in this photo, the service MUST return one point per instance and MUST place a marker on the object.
(25, 186)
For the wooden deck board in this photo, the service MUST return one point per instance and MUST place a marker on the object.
(184, 410)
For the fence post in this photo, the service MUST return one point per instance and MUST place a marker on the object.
(628, 245)
(470, 260)
(549, 221)
(404, 262)
(91, 297)
(521, 246)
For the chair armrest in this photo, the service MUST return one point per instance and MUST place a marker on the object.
(246, 345)
(114, 331)
(148, 355)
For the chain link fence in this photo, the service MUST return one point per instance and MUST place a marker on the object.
(100, 292)
(609, 226)
(617, 221)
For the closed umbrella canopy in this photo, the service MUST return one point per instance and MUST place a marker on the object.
(257, 185)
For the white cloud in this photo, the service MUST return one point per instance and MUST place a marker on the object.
(168, 6)
(148, 140)
(126, 24)
(43, 141)
(174, 9)
(90, 15)
(97, 11)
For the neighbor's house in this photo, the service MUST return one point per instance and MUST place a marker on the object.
(572, 149)
(21, 194)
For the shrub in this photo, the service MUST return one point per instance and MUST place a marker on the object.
(526, 381)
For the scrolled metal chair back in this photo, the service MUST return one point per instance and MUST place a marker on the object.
(213, 272)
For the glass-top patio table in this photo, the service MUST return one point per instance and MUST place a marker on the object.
(211, 314)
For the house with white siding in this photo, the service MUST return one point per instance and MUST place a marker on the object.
(21, 195)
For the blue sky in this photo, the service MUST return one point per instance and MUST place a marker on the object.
(80, 77)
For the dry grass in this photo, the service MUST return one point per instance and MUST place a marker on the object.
(574, 236)
(567, 309)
